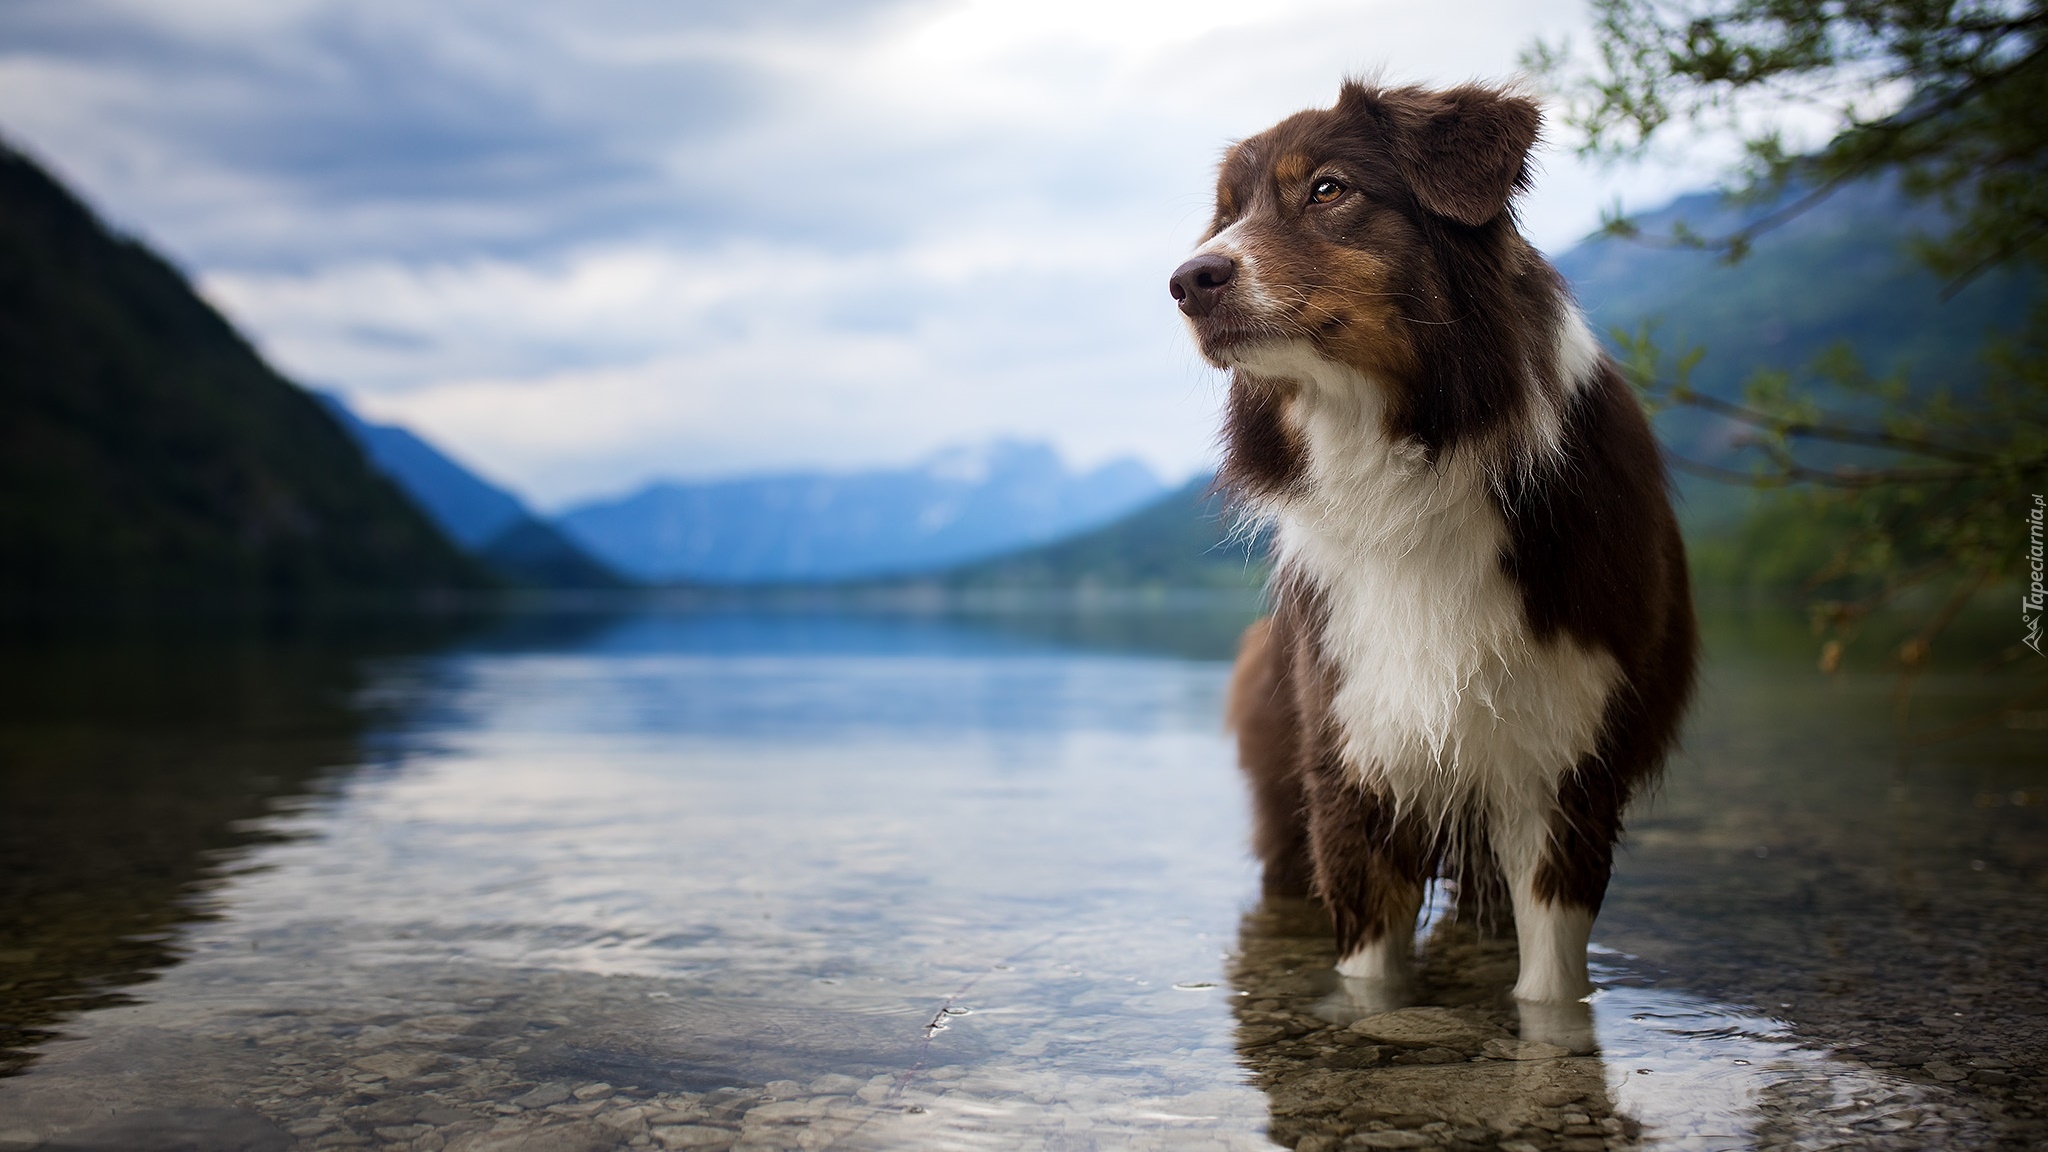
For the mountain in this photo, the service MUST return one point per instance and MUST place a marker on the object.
(814, 527)
(533, 553)
(1842, 272)
(1183, 540)
(146, 450)
(470, 509)
(489, 523)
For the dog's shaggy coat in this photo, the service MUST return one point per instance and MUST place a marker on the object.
(1482, 637)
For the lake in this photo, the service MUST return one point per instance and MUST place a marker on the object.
(799, 880)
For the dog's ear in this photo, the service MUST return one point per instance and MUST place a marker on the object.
(1464, 151)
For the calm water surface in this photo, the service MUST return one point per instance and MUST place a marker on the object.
(802, 881)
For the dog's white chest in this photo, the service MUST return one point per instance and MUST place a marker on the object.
(1442, 694)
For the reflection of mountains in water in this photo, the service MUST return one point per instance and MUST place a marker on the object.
(136, 771)
(138, 768)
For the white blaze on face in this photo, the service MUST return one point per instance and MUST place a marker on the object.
(1234, 244)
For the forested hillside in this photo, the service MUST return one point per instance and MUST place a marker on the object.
(146, 450)
(486, 521)
(1839, 275)
(1186, 539)
(1841, 272)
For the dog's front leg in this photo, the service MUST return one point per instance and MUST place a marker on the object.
(1552, 929)
(1370, 869)
(1552, 935)
(1557, 856)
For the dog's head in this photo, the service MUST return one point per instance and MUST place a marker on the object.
(1377, 235)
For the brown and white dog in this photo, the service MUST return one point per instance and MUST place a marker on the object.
(1482, 637)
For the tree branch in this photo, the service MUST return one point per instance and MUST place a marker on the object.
(1795, 473)
(1809, 430)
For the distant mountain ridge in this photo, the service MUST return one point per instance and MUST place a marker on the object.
(1187, 539)
(147, 451)
(1841, 272)
(470, 509)
(489, 523)
(813, 527)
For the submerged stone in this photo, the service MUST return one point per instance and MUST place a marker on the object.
(1388, 1140)
(693, 1136)
(1429, 1028)
(1524, 1050)
(543, 1096)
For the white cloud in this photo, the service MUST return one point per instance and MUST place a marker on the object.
(585, 250)
(635, 361)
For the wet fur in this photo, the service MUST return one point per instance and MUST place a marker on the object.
(1482, 638)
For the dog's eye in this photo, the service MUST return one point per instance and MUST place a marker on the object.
(1325, 190)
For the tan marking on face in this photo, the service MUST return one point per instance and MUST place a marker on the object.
(1294, 282)
(1341, 299)
(1352, 313)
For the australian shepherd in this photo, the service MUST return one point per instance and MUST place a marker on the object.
(1481, 638)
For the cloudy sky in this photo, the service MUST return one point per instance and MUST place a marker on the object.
(582, 246)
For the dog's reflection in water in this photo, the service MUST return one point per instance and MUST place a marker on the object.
(1449, 1062)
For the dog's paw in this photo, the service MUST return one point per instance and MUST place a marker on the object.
(1357, 997)
(1565, 1023)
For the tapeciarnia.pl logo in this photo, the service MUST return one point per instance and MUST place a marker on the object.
(2037, 596)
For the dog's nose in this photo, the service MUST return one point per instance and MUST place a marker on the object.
(1199, 283)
